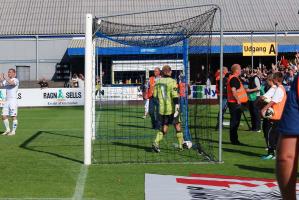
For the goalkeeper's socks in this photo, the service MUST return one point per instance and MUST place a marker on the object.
(14, 125)
(6, 124)
(180, 138)
(159, 137)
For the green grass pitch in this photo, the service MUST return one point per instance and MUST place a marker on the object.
(123, 136)
(44, 160)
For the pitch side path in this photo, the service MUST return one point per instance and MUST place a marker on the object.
(44, 161)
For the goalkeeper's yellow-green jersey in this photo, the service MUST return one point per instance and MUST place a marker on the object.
(165, 90)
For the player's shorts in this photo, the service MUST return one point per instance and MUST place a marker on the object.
(169, 119)
(10, 108)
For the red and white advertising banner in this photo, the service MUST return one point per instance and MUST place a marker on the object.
(209, 187)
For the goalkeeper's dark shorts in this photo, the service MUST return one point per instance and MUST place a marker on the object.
(169, 119)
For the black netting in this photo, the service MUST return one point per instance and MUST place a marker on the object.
(129, 48)
(155, 35)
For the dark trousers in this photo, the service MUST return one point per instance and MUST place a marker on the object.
(271, 135)
(224, 107)
(267, 126)
(255, 115)
(153, 111)
(235, 111)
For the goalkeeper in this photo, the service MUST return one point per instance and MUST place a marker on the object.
(166, 91)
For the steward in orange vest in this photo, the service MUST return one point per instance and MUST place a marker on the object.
(236, 95)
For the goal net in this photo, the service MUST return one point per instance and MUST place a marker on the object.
(130, 52)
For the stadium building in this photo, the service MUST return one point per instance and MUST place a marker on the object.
(45, 39)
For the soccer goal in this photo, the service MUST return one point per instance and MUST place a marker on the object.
(124, 56)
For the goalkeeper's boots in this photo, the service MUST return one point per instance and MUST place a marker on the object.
(155, 148)
(6, 132)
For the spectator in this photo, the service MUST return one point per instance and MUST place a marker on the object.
(253, 91)
(144, 90)
(153, 101)
(271, 88)
(288, 79)
(284, 62)
(74, 81)
(276, 102)
(66, 84)
(200, 79)
(81, 81)
(297, 60)
(224, 97)
(43, 83)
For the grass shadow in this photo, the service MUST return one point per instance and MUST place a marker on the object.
(229, 143)
(256, 169)
(25, 145)
(246, 153)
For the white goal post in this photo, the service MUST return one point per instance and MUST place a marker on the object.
(89, 95)
(88, 113)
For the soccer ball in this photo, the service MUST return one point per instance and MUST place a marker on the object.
(187, 144)
(267, 100)
(269, 113)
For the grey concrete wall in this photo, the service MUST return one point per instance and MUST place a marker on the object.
(22, 52)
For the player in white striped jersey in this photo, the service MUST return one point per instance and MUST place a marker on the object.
(10, 108)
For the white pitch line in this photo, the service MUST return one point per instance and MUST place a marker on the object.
(79, 190)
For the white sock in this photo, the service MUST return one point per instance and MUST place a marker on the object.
(6, 124)
(14, 125)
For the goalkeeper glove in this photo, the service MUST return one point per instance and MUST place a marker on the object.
(176, 110)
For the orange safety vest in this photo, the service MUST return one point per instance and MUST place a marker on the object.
(150, 91)
(182, 89)
(241, 92)
(278, 107)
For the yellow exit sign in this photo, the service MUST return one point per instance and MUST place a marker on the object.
(259, 49)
